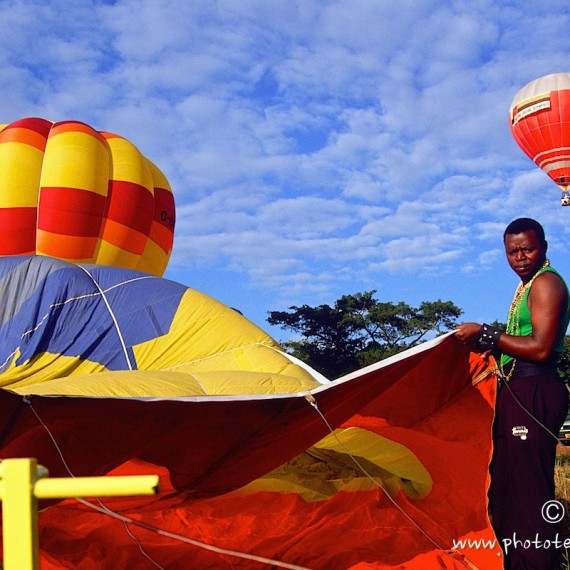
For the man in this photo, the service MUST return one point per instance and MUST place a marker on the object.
(532, 402)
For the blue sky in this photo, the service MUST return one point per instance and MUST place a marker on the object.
(315, 148)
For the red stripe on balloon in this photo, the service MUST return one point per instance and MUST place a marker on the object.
(32, 132)
(544, 136)
(18, 235)
(131, 205)
(70, 211)
(40, 126)
(164, 219)
(76, 127)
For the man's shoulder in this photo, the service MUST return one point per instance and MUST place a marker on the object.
(552, 273)
(552, 280)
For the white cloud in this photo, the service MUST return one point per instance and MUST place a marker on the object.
(308, 144)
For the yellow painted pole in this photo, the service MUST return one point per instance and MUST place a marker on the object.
(19, 514)
(117, 486)
(23, 482)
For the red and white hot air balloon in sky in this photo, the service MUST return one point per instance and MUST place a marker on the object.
(540, 123)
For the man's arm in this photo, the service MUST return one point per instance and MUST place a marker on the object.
(547, 303)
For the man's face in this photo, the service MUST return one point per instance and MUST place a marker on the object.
(525, 253)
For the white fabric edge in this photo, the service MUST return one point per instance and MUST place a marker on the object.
(428, 345)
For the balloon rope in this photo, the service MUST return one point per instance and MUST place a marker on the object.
(191, 541)
(449, 552)
(115, 322)
(28, 400)
(127, 520)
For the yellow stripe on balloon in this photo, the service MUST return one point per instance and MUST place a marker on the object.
(153, 260)
(19, 175)
(69, 191)
(158, 178)
(75, 168)
(110, 254)
(76, 159)
(129, 212)
(129, 164)
(159, 245)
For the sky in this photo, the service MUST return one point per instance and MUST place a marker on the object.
(314, 148)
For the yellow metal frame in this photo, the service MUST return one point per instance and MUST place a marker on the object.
(23, 482)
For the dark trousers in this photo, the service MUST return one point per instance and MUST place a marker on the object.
(522, 471)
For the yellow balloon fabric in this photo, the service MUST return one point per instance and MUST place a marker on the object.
(110, 332)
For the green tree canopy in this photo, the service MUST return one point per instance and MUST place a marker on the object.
(564, 362)
(359, 330)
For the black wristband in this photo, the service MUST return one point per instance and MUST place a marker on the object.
(488, 338)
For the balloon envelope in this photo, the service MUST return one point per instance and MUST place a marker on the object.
(71, 192)
(540, 123)
(106, 369)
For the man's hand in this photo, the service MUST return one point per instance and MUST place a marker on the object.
(467, 333)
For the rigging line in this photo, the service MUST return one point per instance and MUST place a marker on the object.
(140, 547)
(9, 359)
(131, 534)
(192, 541)
(28, 400)
(80, 297)
(115, 322)
(313, 402)
(127, 520)
(132, 280)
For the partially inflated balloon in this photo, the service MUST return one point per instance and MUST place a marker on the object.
(71, 192)
(109, 370)
(540, 123)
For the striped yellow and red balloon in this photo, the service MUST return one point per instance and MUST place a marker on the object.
(540, 124)
(71, 192)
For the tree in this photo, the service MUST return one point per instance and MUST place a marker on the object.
(359, 330)
(564, 362)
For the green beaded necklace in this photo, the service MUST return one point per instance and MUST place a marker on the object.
(514, 320)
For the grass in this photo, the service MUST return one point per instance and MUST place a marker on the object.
(562, 481)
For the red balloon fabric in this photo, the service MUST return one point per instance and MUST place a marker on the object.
(247, 481)
(540, 124)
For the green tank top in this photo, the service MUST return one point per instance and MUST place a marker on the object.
(524, 325)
